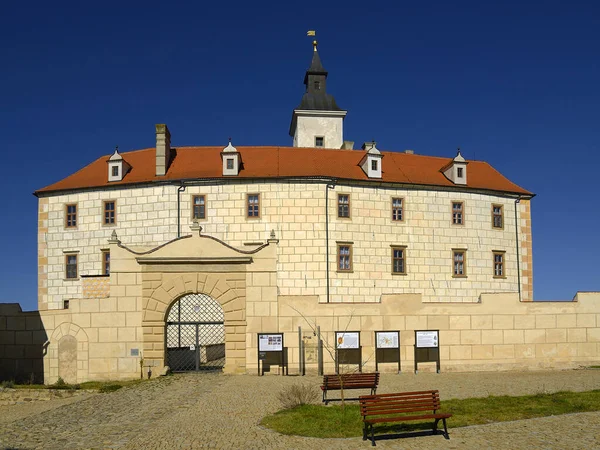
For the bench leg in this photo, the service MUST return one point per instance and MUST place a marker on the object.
(372, 436)
(325, 396)
(435, 426)
(446, 435)
(364, 431)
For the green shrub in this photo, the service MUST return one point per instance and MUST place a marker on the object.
(110, 388)
(297, 395)
(8, 384)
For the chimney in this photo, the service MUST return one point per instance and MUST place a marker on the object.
(163, 149)
(369, 145)
(348, 145)
(409, 152)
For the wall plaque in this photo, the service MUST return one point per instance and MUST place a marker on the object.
(347, 339)
(427, 339)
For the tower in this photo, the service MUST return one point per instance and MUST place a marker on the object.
(318, 120)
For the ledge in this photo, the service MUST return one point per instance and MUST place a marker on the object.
(195, 260)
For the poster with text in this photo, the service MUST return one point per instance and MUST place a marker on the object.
(270, 342)
(345, 339)
(427, 339)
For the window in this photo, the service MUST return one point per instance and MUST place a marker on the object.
(374, 164)
(230, 163)
(399, 260)
(499, 264)
(71, 266)
(253, 205)
(344, 205)
(497, 216)
(115, 171)
(105, 262)
(198, 207)
(457, 213)
(459, 259)
(109, 212)
(344, 258)
(71, 216)
(319, 141)
(317, 85)
(65, 304)
(459, 172)
(397, 209)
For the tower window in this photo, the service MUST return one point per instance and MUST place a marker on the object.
(317, 85)
(459, 172)
(71, 266)
(374, 164)
(199, 207)
(71, 218)
(115, 171)
(253, 203)
(109, 213)
(457, 213)
(319, 141)
(229, 163)
(105, 262)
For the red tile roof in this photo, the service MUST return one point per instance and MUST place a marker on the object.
(284, 162)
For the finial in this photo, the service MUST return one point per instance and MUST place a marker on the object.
(117, 148)
(457, 151)
(229, 139)
(315, 43)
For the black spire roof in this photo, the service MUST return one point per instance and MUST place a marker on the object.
(316, 96)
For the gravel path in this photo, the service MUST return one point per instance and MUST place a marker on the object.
(221, 411)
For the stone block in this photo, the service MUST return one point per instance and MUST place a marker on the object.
(576, 335)
(545, 321)
(566, 350)
(483, 322)
(504, 351)
(447, 337)
(23, 338)
(483, 352)
(460, 322)
(593, 335)
(566, 320)
(524, 322)
(586, 320)
(460, 352)
(535, 336)
(546, 350)
(503, 322)
(438, 322)
(468, 337)
(525, 351)
(514, 337)
(556, 335)
(416, 322)
(492, 337)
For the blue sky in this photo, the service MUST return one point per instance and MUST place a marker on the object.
(512, 83)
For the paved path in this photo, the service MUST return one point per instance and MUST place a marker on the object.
(220, 411)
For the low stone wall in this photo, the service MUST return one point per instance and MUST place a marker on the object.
(498, 333)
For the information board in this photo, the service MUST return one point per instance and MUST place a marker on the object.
(427, 339)
(386, 339)
(347, 339)
(270, 342)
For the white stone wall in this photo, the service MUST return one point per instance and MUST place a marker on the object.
(147, 217)
(331, 128)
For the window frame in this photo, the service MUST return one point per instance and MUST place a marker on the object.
(193, 201)
(114, 211)
(401, 209)
(459, 172)
(67, 214)
(403, 249)
(502, 263)
(322, 141)
(114, 169)
(228, 162)
(349, 216)
(67, 265)
(350, 256)
(462, 251)
(105, 262)
(501, 215)
(258, 214)
(462, 212)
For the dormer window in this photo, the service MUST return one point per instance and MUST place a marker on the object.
(317, 85)
(117, 167)
(319, 141)
(456, 170)
(371, 161)
(232, 160)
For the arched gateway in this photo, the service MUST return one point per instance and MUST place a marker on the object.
(195, 334)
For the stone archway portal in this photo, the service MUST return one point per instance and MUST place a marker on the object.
(195, 334)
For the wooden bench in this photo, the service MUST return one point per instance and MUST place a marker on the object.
(401, 407)
(335, 382)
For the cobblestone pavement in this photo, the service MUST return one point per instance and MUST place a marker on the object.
(221, 411)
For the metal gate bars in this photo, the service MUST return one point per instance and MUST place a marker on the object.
(195, 337)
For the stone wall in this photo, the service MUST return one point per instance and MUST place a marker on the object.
(499, 333)
(22, 344)
(147, 217)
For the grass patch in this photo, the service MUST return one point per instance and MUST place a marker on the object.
(337, 422)
(101, 386)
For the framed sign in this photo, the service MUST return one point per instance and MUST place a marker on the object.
(270, 342)
(427, 339)
(386, 339)
(347, 339)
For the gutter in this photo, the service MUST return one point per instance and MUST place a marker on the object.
(329, 185)
(517, 201)
(180, 189)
